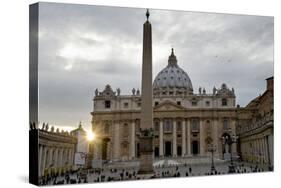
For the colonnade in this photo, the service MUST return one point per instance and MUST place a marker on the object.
(54, 157)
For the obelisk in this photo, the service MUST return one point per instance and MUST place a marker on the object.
(146, 119)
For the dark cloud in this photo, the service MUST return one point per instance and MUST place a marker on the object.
(86, 47)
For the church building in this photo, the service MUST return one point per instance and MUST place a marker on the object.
(185, 123)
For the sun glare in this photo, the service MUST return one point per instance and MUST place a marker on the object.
(90, 136)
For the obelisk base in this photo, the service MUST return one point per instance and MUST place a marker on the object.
(146, 155)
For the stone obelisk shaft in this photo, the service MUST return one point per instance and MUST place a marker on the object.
(146, 97)
(146, 138)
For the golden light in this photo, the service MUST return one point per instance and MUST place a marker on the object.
(90, 136)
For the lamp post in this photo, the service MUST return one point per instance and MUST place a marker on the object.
(229, 140)
(212, 148)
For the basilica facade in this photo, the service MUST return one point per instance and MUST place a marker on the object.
(186, 123)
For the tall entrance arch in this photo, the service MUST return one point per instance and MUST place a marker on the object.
(168, 149)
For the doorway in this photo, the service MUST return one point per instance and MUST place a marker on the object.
(195, 147)
(168, 149)
(156, 151)
(179, 151)
(138, 150)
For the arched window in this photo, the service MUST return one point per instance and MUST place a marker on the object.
(225, 124)
(156, 126)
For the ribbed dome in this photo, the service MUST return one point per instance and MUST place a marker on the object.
(172, 77)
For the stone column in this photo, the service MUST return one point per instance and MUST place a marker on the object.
(174, 137)
(44, 159)
(216, 136)
(96, 150)
(270, 145)
(234, 145)
(116, 144)
(61, 157)
(265, 150)
(188, 138)
(259, 152)
(50, 157)
(40, 159)
(262, 150)
(202, 139)
(161, 149)
(56, 158)
(183, 137)
(132, 142)
(69, 157)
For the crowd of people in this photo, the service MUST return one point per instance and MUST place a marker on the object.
(114, 174)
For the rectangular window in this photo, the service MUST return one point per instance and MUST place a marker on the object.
(107, 104)
(156, 103)
(195, 125)
(179, 127)
(168, 125)
(207, 103)
(194, 103)
(178, 103)
(126, 105)
(224, 102)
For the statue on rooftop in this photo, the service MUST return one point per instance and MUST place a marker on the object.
(118, 91)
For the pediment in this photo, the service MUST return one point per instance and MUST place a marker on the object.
(168, 106)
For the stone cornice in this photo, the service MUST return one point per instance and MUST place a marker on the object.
(56, 137)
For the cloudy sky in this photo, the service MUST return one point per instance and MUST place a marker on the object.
(82, 48)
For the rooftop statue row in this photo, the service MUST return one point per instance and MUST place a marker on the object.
(109, 92)
(224, 90)
(221, 91)
(47, 128)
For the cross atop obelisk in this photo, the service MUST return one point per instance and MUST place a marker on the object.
(146, 125)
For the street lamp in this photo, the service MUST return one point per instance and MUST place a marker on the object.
(212, 148)
(229, 140)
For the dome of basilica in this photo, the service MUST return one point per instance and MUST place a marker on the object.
(172, 78)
